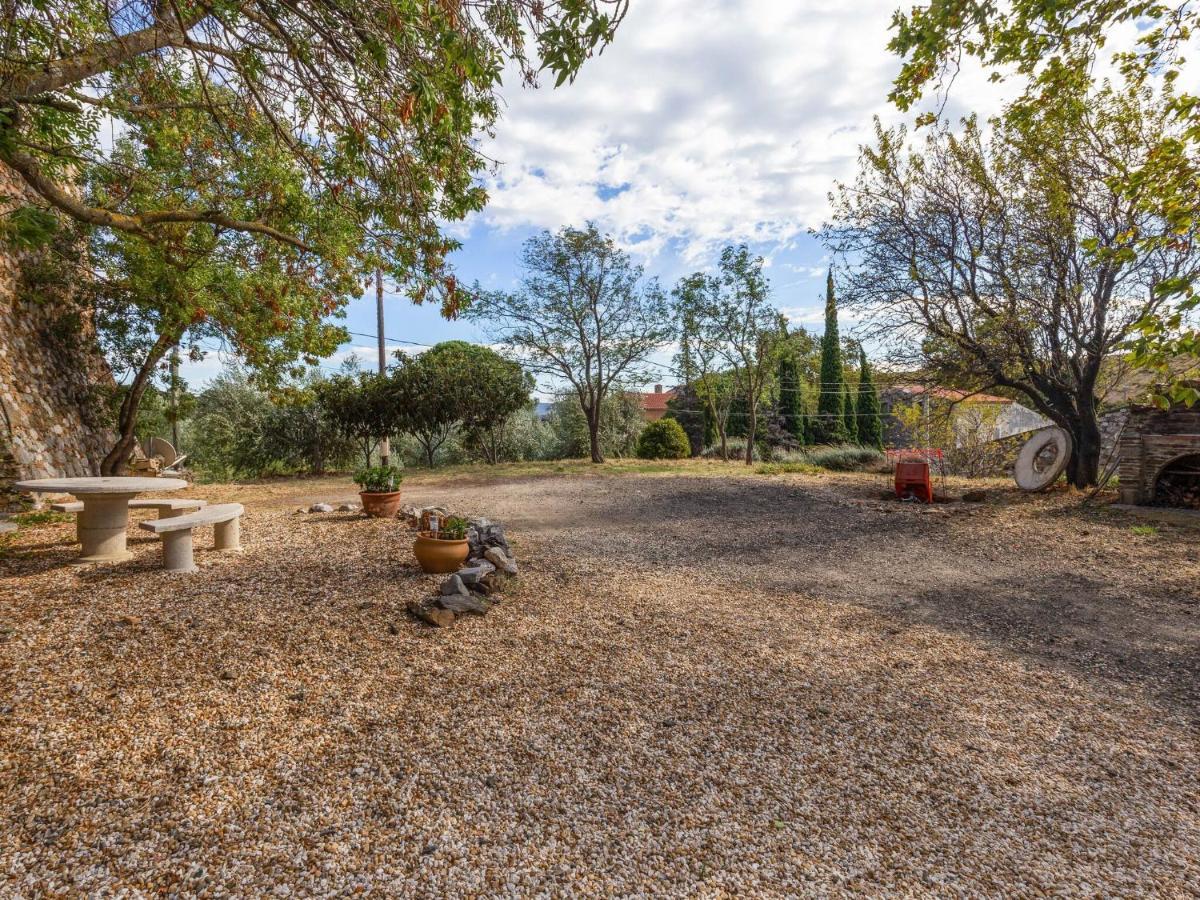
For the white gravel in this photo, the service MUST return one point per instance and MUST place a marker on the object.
(615, 727)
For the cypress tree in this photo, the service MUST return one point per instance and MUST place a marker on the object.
(870, 423)
(791, 407)
(850, 416)
(830, 427)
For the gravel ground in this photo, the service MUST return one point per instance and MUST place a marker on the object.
(698, 687)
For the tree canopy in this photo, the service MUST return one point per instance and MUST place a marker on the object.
(257, 295)
(1013, 260)
(585, 313)
(377, 103)
(1055, 48)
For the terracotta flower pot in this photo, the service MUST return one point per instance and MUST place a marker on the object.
(438, 556)
(381, 506)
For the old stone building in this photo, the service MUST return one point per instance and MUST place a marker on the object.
(1160, 457)
(54, 381)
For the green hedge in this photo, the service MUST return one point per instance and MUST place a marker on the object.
(664, 439)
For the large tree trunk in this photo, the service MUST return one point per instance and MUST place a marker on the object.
(593, 423)
(753, 433)
(116, 460)
(1084, 468)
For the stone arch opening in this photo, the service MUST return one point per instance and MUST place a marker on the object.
(1178, 482)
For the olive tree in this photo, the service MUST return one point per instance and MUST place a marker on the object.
(585, 314)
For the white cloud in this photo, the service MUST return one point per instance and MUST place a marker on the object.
(707, 121)
(711, 121)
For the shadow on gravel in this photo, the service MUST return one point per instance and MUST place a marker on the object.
(1104, 609)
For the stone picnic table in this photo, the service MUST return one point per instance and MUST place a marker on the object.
(105, 516)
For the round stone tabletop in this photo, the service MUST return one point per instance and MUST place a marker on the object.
(112, 485)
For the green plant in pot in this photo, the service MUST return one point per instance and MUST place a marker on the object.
(443, 548)
(380, 490)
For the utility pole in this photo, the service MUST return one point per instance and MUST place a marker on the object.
(385, 450)
(175, 398)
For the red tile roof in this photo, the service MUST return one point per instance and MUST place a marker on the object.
(654, 403)
(656, 400)
(952, 394)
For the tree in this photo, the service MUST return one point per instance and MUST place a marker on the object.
(698, 308)
(377, 102)
(584, 314)
(663, 439)
(206, 281)
(299, 433)
(830, 426)
(426, 386)
(486, 391)
(1055, 47)
(362, 408)
(734, 333)
(1000, 263)
(791, 400)
(686, 408)
(621, 422)
(850, 414)
(870, 423)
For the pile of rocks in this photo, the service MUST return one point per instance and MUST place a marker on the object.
(475, 588)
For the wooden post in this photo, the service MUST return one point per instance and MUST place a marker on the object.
(385, 450)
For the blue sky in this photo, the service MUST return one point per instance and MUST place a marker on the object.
(707, 122)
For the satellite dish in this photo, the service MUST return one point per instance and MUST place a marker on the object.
(1043, 459)
(160, 447)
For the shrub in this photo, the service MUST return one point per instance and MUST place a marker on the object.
(664, 439)
(735, 446)
(844, 457)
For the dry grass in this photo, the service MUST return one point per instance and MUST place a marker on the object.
(700, 687)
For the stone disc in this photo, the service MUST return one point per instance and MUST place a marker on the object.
(1031, 472)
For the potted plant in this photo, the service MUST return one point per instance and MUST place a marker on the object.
(380, 490)
(443, 548)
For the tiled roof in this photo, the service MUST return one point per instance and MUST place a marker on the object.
(656, 401)
(952, 394)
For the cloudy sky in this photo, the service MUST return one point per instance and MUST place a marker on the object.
(707, 122)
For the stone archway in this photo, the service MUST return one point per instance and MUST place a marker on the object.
(1177, 482)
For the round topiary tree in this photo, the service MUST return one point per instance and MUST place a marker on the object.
(664, 439)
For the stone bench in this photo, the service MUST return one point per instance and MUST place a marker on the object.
(176, 533)
(167, 509)
(73, 506)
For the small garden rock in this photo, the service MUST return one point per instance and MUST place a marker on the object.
(501, 560)
(453, 585)
(349, 507)
(470, 576)
(320, 508)
(432, 615)
(463, 603)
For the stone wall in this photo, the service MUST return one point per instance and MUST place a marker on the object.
(1154, 437)
(53, 378)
